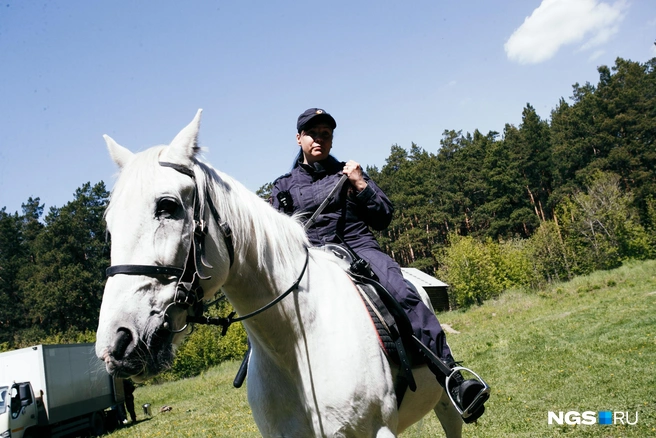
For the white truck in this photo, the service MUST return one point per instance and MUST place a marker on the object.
(55, 391)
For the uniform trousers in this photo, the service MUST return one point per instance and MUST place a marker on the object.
(425, 325)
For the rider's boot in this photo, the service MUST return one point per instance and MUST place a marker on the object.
(468, 395)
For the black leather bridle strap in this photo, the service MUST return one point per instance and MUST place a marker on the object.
(182, 169)
(170, 270)
(226, 322)
(225, 230)
(143, 270)
(223, 226)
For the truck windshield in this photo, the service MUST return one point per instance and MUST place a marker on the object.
(3, 399)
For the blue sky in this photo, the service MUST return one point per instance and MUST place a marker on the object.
(390, 72)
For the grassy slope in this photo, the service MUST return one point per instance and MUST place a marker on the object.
(589, 344)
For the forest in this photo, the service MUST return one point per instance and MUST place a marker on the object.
(539, 202)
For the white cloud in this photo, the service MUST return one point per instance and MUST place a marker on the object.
(596, 54)
(556, 23)
(449, 85)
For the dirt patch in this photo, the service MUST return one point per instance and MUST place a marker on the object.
(448, 329)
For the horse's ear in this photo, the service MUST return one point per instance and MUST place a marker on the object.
(185, 144)
(119, 154)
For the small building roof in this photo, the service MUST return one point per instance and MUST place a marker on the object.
(422, 278)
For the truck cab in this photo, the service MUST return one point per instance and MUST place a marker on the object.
(18, 410)
(5, 401)
(54, 391)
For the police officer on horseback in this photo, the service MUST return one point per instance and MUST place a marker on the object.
(346, 219)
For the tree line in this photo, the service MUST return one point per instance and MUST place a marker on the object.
(542, 201)
(575, 192)
(52, 269)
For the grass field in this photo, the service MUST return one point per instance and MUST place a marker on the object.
(585, 345)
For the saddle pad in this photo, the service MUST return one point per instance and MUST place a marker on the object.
(390, 338)
(384, 336)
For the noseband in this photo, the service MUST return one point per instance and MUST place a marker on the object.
(189, 293)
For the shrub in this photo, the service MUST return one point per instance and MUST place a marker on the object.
(35, 336)
(514, 264)
(467, 266)
(205, 347)
(551, 260)
(601, 226)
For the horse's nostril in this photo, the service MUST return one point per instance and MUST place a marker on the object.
(122, 342)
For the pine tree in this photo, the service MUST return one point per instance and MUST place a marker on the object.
(65, 284)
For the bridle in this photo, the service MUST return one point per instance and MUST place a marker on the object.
(189, 293)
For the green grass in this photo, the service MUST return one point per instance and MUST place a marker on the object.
(203, 406)
(585, 345)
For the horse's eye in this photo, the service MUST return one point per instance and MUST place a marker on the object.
(167, 208)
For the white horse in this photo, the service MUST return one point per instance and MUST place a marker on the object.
(316, 366)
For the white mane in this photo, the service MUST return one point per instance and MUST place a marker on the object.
(249, 217)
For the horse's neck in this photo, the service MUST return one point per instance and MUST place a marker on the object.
(270, 248)
(253, 287)
(253, 283)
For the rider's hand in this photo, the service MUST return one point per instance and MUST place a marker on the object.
(353, 171)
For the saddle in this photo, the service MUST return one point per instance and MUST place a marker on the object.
(392, 324)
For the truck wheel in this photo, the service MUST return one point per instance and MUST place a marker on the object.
(36, 432)
(97, 424)
(29, 434)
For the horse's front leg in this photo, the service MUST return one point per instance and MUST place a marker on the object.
(277, 409)
(449, 417)
(385, 432)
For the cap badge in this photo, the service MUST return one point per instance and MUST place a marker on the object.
(319, 112)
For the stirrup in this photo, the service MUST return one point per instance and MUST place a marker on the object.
(478, 401)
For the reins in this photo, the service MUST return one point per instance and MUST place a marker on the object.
(226, 322)
(325, 202)
(189, 293)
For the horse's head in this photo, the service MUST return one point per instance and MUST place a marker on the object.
(152, 216)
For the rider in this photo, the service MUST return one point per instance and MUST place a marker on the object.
(347, 219)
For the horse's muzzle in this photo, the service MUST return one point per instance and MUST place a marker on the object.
(129, 355)
(119, 356)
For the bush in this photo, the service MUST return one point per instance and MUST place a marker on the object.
(551, 260)
(601, 227)
(205, 347)
(35, 336)
(467, 266)
(477, 271)
(650, 225)
(514, 263)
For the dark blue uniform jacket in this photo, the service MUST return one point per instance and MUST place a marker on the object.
(307, 186)
(302, 191)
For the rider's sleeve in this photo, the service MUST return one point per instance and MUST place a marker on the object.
(273, 200)
(374, 207)
(280, 198)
